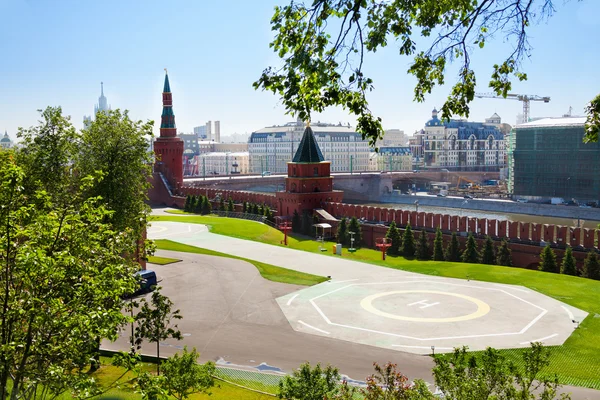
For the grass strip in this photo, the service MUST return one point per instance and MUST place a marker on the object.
(162, 260)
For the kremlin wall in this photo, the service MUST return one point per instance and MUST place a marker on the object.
(309, 187)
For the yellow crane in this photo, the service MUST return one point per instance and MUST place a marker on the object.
(525, 98)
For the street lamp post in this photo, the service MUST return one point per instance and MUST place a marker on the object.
(417, 205)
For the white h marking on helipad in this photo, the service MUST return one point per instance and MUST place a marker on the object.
(424, 303)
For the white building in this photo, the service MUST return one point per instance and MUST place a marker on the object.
(393, 137)
(394, 158)
(273, 147)
(218, 163)
(101, 106)
(217, 131)
(5, 142)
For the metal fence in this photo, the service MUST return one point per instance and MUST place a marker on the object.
(248, 216)
(262, 382)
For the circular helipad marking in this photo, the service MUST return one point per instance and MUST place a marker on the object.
(482, 308)
(157, 229)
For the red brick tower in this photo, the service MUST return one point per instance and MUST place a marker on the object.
(168, 147)
(309, 183)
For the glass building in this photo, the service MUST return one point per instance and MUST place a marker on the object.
(548, 158)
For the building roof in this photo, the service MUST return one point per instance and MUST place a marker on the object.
(308, 150)
(552, 122)
(167, 87)
(397, 150)
(5, 139)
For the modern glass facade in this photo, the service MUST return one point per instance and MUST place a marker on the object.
(549, 159)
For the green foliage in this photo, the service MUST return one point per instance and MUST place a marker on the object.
(394, 235)
(568, 266)
(354, 226)
(591, 266)
(408, 243)
(308, 383)
(470, 254)
(296, 223)
(503, 254)
(187, 207)
(342, 231)
(205, 206)
(230, 206)
(199, 204)
(592, 123)
(465, 376)
(307, 223)
(547, 260)
(324, 47)
(422, 252)
(453, 250)
(183, 376)
(221, 204)
(244, 207)
(438, 246)
(154, 322)
(389, 383)
(487, 254)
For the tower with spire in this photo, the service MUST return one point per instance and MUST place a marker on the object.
(309, 183)
(168, 148)
(102, 105)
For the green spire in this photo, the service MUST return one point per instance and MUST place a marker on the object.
(308, 150)
(167, 88)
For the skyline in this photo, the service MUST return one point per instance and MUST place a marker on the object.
(212, 66)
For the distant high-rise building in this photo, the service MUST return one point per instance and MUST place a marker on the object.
(200, 131)
(218, 131)
(101, 106)
(209, 130)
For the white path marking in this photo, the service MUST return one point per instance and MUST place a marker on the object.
(292, 299)
(541, 339)
(312, 327)
(417, 302)
(569, 312)
(430, 305)
(421, 347)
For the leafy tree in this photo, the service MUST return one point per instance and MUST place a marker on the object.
(568, 266)
(308, 383)
(591, 266)
(408, 243)
(354, 226)
(183, 376)
(296, 223)
(464, 376)
(62, 274)
(547, 260)
(438, 246)
(221, 204)
(394, 235)
(206, 207)
(342, 231)
(324, 47)
(389, 383)
(230, 206)
(592, 123)
(453, 249)
(154, 321)
(487, 254)
(422, 251)
(503, 255)
(470, 254)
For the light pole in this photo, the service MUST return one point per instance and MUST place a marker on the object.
(417, 205)
(352, 249)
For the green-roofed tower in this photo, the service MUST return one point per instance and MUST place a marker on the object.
(308, 150)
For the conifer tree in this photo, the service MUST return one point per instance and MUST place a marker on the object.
(230, 206)
(438, 246)
(221, 204)
(591, 267)
(296, 222)
(198, 204)
(188, 203)
(487, 254)
(394, 235)
(342, 231)
(470, 254)
(244, 207)
(453, 249)
(408, 243)
(205, 206)
(307, 224)
(503, 255)
(547, 260)
(259, 210)
(568, 266)
(354, 226)
(422, 252)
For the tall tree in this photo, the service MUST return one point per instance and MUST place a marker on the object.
(206, 207)
(296, 223)
(503, 255)
(547, 260)
(568, 266)
(308, 383)
(188, 203)
(116, 148)
(230, 206)
(198, 204)
(422, 252)
(221, 204)
(591, 266)
(183, 376)
(324, 47)
(394, 235)
(470, 254)
(389, 383)
(408, 243)
(155, 322)
(438, 246)
(354, 226)
(487, 254)
(244, 207)
(453, 249)
(342, 231)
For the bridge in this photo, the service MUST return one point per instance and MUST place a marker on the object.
(358, 186)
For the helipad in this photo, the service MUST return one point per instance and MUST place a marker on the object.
(422, 315)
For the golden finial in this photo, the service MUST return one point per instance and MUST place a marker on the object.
(308, 123)
(166, 71)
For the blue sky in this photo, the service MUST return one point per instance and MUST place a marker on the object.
(58, 52)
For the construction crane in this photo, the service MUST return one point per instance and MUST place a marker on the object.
(525, 98)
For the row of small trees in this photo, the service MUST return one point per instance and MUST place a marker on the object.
(406, 245)
(201, 205)
(343, 233)
(258, 209)
(197, 204)
(591, 265)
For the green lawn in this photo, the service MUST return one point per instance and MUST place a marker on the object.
(267, 271)
(162, 260)
(577, 362)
